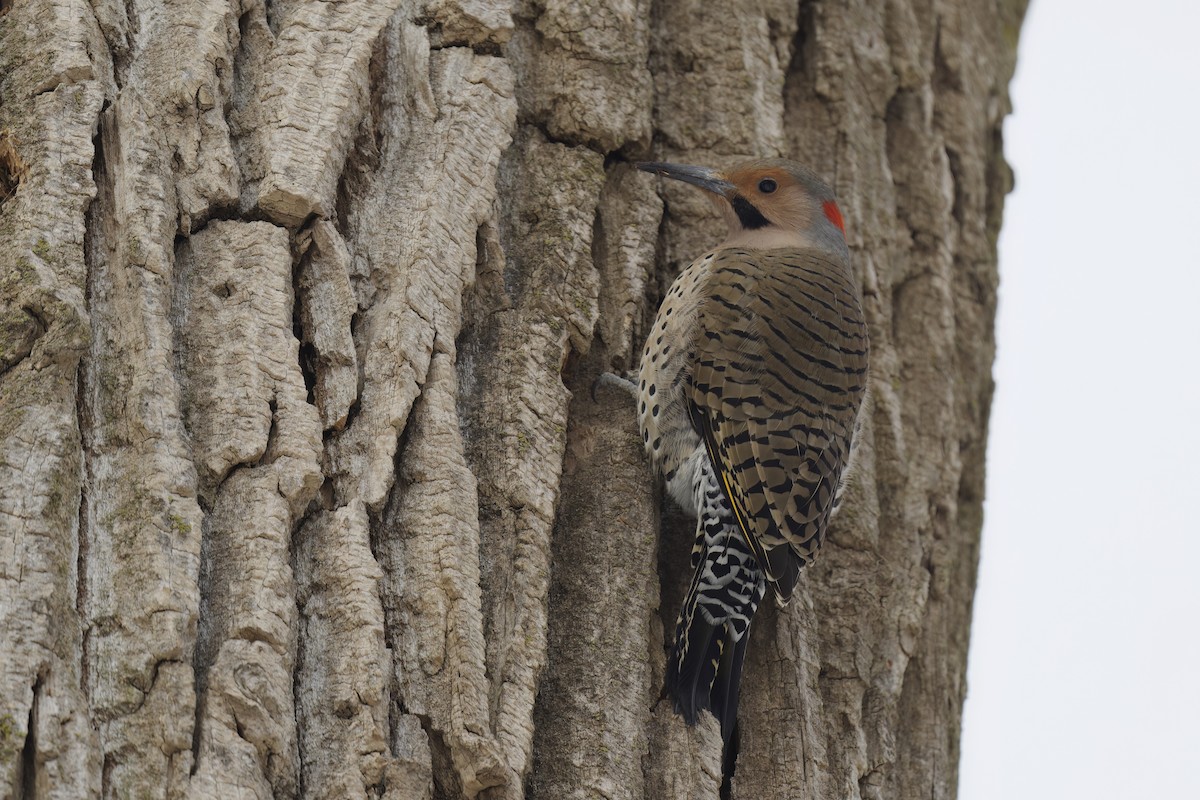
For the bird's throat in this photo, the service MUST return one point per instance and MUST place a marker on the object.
(769, 238)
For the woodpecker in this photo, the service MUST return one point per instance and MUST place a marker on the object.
(749, 398)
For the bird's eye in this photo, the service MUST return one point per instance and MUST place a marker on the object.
(766, 186)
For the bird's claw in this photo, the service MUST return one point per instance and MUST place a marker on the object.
(616, 381)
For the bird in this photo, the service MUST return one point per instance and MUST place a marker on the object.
(750, 394)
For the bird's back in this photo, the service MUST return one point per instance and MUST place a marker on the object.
(777, 378)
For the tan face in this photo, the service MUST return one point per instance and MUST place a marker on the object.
(776, 194)
(766, 203)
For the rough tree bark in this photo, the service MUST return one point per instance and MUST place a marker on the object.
(302, 489)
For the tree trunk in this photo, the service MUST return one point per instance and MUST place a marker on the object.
(304, 489)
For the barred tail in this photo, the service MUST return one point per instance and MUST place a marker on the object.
(706, 673)
(713, 629)
(695, 659)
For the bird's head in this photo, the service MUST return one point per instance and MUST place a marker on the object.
(768, 203)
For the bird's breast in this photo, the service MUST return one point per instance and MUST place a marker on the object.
(662, 379)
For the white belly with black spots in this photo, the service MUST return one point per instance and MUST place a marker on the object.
(674, 447)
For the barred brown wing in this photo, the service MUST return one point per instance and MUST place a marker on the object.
(779, 375)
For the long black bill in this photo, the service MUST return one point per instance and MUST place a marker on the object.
(705, 178)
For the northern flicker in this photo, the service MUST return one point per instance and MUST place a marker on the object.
(749, 394)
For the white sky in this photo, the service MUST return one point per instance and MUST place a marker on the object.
(1084, 672)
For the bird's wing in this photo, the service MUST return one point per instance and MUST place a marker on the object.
(779, 374)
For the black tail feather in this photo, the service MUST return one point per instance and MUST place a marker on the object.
(708, 674)
(727, 686)
(692, 667)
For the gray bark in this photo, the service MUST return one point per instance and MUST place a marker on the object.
(303, 492)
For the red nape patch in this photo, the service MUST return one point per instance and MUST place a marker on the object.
(834, 214)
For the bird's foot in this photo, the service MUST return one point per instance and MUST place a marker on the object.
(615, 381)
